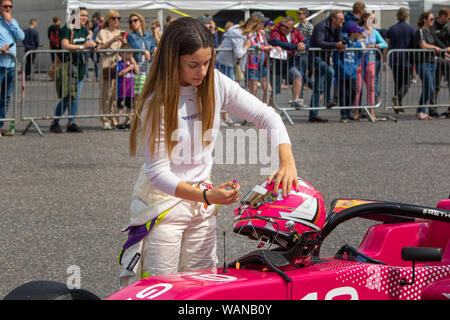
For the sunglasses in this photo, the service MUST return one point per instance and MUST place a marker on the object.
(115, 18)
(7, 7)
(134, 20)
(284, 26)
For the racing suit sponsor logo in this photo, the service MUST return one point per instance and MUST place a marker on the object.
(133, 262)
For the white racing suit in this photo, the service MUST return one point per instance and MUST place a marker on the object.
(166, 234)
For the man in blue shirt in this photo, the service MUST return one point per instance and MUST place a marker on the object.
(399, 36)
(10, 32)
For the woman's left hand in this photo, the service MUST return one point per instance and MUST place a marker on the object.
(286, 175)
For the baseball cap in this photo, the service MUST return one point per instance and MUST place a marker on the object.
(260, 15)
(354, 28)
(204, 19)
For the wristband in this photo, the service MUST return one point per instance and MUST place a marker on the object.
(204, 197)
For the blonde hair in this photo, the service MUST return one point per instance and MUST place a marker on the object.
(109, 15)
(141, 19)
(160, 96)
(251, 25)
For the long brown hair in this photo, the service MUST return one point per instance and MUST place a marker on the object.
(251, 25)
(159, 99)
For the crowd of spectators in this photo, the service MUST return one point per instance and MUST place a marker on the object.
(337, 72)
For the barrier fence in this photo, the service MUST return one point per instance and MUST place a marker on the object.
(310, 81)
(328, 79)
(108, 97)
(417, 78)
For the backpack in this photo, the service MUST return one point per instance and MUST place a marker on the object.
(54, 39)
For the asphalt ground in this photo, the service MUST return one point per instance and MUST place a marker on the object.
(64, 198)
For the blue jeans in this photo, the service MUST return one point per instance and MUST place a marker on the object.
(323, 80)
(305, 67)
(226, 70)
(7, 86)
(66, 103)
(426, 74)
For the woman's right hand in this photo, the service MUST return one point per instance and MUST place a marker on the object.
(225, 193)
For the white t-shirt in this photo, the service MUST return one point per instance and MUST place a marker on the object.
(191, 160)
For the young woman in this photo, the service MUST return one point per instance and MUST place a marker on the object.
(426, 39)
(109, 37)
(367, 70)
(173, 225)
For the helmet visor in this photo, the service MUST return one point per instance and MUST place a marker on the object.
(257, 196)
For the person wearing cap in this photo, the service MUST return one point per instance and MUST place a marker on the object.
(209, 23)
(346, 64)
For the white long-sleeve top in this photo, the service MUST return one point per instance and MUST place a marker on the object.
(191, 160)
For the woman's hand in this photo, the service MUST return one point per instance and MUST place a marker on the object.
(286, 175)
(225, 193)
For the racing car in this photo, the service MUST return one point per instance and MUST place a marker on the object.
(406, 256)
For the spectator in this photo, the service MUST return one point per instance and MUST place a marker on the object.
(327, 34)
(140, 39)
(235, 38)
(209, 23)
(109, 37)
(426, 39)
(399, 36)
(156, 31)
(95, 20)
(31, 42)
(92, 55)
(73, 40)
(285, 36)
(10, 32)
(442, 31)
(366, 71)
(359, 8)
(346, 64)
(54, 33)
(127, 68)
(304, 26)
(257, 58)
(169, 20)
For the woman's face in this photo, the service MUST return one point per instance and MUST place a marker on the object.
(193, 67)
(115, 21)
(135, 23)
(430, 20)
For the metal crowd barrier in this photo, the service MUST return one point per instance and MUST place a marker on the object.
(320, 83)
(10, 108)
(40, 97)
(417, 78)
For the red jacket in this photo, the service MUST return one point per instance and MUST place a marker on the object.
(277, 38)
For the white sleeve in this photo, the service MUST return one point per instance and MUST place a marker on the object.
(158, 168)
(246, 106)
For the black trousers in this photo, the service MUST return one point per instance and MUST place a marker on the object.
(402, 76)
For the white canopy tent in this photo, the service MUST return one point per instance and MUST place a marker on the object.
(208, 6)
(232, 5)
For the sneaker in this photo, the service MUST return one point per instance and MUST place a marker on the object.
(6, 133)
(433, 113)
(223, 123)
(72, 127)
(107, 126)
(317, 119)
(299, 103)
(55, 128)
(344, 120)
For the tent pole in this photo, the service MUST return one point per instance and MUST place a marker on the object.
(160, 18)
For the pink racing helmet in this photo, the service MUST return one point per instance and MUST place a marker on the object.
(268, 217)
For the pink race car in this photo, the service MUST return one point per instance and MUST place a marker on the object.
(405, 257)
